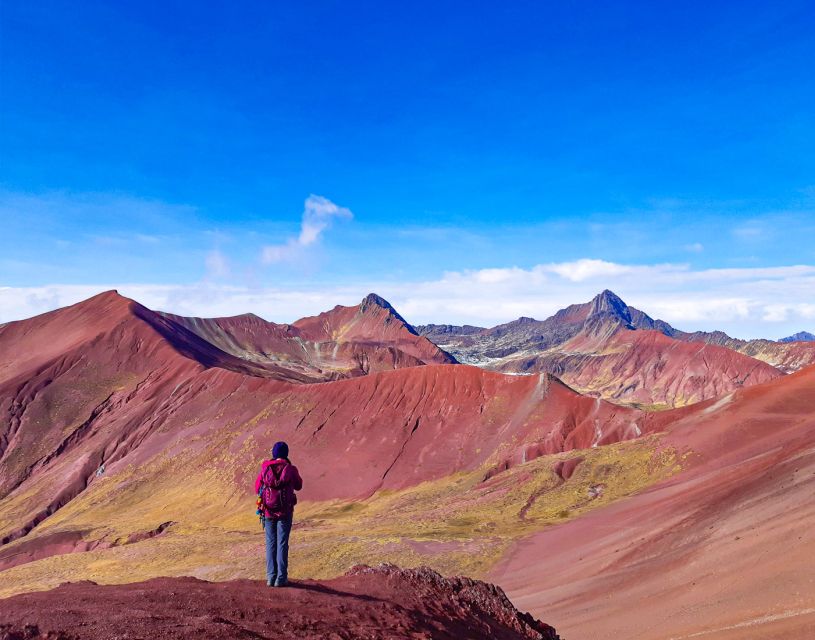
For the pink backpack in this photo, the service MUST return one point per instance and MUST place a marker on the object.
(273, 493)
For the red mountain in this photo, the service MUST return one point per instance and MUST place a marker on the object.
(376, 338)
(179, 416)
(110, 382)
(343, 342)
(606, 348)
(724, 549)
(371, 335)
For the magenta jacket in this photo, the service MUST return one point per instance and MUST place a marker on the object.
(291, 480)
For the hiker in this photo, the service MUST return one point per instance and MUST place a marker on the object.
(275, 486)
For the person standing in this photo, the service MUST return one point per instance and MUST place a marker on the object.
(275, 486)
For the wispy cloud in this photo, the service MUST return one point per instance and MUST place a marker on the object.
(318, 214)
(750, 230)
(217, 264)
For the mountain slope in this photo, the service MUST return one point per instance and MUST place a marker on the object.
(786, 355)
(86, 385)
(488, 347)
(110, 383)
(595, 505)
(355, 436)
(606, 348)
(343, 342)
(647, 368)
(698, 553)
(353, 331)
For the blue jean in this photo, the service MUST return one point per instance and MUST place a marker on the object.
(277, 548)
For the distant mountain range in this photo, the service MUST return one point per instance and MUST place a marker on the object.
(605, 347)
(609, 306)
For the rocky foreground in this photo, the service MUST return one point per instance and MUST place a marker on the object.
(372, 603)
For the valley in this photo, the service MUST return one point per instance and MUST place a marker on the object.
(130, 439)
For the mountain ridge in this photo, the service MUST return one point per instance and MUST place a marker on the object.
(601, 347)
(801, 336)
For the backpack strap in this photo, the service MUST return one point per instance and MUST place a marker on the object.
(276, 476)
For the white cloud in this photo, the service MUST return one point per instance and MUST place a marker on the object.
(695, 247)
(753, 302)
(587, 269)
(783, 312)
(318, 214)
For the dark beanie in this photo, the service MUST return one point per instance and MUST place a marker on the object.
(280, 450)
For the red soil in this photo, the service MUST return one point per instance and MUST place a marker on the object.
(400, 428)
(724, 549)
(376, 603)
(109, 386)
(110, 381)
(651, 368)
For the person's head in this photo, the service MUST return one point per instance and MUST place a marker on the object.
(280, 450)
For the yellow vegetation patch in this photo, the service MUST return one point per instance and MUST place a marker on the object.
(458, 524)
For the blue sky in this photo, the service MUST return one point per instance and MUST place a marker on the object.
(171, 149)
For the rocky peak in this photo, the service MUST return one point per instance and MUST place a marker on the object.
(373, 301)
(609, 303)
(801, 336)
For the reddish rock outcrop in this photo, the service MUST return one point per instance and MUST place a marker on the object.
(377, 603)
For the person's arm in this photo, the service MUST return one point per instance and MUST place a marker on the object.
(259, 480)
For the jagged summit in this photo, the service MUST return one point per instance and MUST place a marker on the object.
(609, 302)
(801, 336)
(373, 300)
(608, 305)
(373, 320)
(608, 348)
